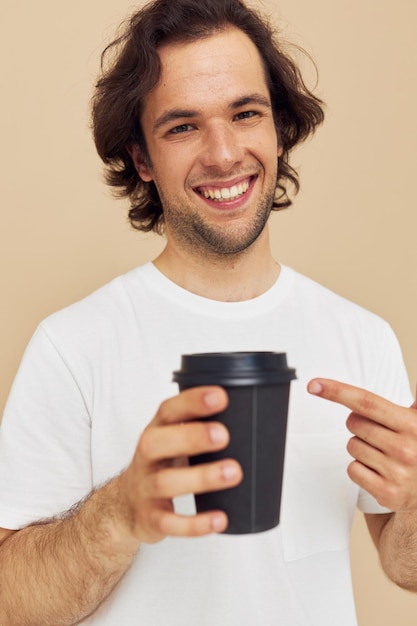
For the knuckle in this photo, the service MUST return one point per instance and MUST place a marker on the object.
(399, 475)
(159, 483)
(352, 470)
(409, 456)
(366, 403)
(389, 496)
(393, 496)
(188, 437)
(145, 444)
(208, 477)
(200, 435)
(201, 526)
(351, 422)
(405, 451)
(165, 411)
(163, 525)
(385, 494)
(188, 431)
(385, 500)
(352, 446)
(202, 478)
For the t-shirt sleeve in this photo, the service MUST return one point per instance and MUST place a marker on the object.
(390, 381)
(45, 464)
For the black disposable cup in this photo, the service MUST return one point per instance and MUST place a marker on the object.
(258, 386)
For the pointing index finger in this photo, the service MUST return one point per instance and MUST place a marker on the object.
(359, 401)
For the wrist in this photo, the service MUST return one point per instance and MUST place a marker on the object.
(106, 513)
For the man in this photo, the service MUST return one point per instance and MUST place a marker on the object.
(195, 121)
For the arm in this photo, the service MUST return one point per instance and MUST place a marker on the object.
(58, 572)
(384, 449)
(395, 537)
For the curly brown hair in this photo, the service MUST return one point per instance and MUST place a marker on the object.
(131, 68)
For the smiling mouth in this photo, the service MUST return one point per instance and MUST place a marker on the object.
(220, 194)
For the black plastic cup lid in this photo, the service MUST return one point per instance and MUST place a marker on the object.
(234, 368)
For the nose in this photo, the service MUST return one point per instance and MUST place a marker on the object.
(221, 147)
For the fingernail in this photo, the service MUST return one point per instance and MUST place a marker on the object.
(211, 399)
(315, 387)
(217, 434)
(217, 523)
(229, 472)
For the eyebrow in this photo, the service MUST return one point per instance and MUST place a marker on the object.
(253, 98)
(174, 115)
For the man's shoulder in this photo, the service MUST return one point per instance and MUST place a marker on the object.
(108, 304)
(325, 300)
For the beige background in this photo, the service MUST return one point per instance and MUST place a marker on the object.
(352, 228)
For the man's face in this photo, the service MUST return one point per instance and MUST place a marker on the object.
(212, 143)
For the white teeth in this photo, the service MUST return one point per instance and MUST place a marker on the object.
(226, 193)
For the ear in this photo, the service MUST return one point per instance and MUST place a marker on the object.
(280, 150)
(140, 162)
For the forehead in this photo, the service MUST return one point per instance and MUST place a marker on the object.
(214, 70)
(228, 49)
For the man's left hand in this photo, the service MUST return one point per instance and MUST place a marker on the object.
(384, 443)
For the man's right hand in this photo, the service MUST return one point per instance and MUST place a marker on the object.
(86, 552)
(159, 470)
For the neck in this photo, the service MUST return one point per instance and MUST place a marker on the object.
(227, 278)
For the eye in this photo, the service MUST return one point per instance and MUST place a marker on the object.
(182, 128)
(245, 115)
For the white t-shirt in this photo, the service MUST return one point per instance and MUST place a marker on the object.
(94, 375)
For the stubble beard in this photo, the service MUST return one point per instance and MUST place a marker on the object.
(199, 236)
